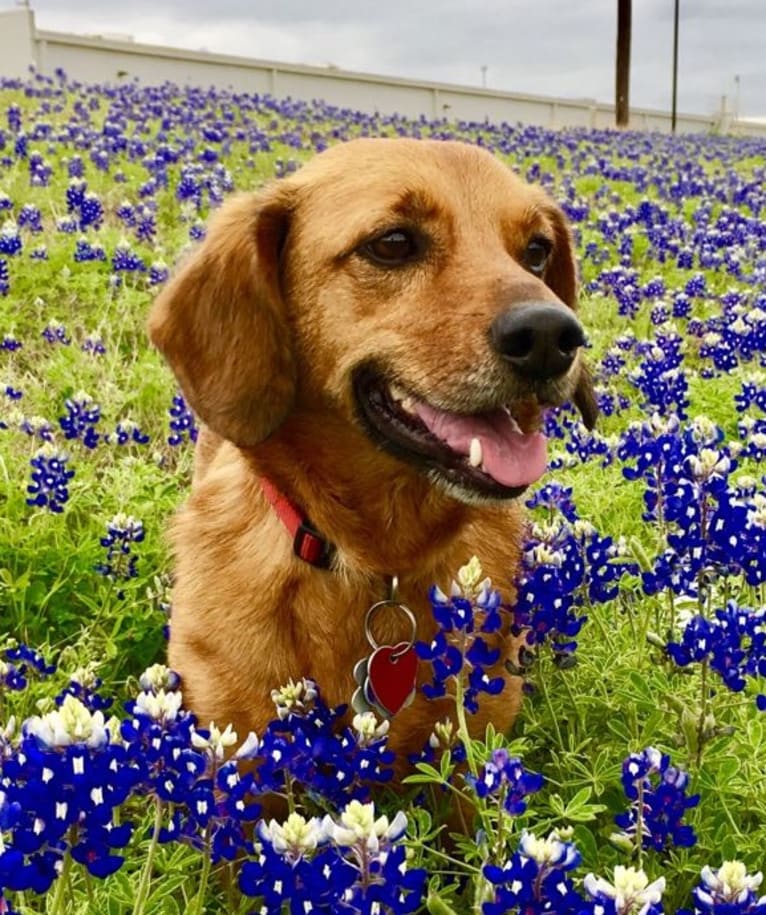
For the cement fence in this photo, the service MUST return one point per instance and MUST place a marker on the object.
(100, 59)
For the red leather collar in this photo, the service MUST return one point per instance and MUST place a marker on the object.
(308, 544)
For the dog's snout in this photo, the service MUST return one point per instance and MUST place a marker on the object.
(540, 341)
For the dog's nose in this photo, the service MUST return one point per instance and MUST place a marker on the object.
(539, 340)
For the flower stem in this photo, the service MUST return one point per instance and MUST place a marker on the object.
(640, 825)
(462, 726)
(199, 907)
(703, 711)
(59, 906)
(146, 874)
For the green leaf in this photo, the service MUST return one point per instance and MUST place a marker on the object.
(437, 906)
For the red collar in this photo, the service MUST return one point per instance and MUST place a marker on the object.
(308, 544)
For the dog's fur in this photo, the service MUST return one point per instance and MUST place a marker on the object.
(263, 327)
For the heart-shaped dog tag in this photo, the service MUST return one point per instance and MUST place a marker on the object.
(391, 675)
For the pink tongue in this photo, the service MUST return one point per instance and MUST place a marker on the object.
(509, 456)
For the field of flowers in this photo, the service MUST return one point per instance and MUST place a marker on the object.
(635, 779)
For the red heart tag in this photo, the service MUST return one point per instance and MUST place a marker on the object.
(391, 674)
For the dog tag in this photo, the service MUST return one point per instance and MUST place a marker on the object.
(386, 679)
(391, 675)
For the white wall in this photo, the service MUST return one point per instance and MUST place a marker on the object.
(97, 59)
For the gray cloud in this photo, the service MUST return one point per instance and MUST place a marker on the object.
(546, 47)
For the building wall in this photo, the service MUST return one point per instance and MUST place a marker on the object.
(96, 59)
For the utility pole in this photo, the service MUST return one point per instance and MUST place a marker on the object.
(622, 88)
(675, 70)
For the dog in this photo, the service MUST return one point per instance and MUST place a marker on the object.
(370, 344)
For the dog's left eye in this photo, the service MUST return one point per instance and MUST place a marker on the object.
(536, 255)
(395, 247)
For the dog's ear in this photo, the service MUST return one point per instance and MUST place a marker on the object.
(561, 273)
(561, 276)
(220, 322)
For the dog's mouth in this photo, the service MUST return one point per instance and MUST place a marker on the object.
(487, 453)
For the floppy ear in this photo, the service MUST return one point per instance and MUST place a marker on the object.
(220, 322)
(561, 276)
(561, 273)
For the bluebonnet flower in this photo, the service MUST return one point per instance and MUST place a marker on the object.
(660, 377)
(75, 167)
(125, 260)
(30, 218)
(84, 685)
(733, 643)
(189, 188)
(85, 251)
(50, 479)
(75, 194)
(696, 287)
(121, 533)
(536, 878)
(126, 212)
(181, 422)
(630, 893)
(37, 427)
(67, 776)
(444, 738)
(10, 392)
(657, 791)
(127, 432)
(505, 777)
(158, 273)
(40, 170)
(10, 343)
(551, 576)
(307, 745)
(17, 662)
(10, 239)
(220, 802)
(83, 414)
(146, 225)
(752, 393)
(93, 344)
(459, 651)
(39, 253)
(13, 116)
(556, 498)
(197, 231)
(5, 277)
(352, 864)
(91, 212)
(55, 332)
(67, 225)
(729, 890)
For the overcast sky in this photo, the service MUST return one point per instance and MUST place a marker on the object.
(545, 47)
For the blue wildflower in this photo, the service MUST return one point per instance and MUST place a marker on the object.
(657, 791)
(122, 531)
(50, 479)
(181, 422)
(83, 413)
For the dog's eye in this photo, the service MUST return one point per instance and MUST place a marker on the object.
(393, 248)
(536, 255)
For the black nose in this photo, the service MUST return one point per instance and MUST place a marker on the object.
(540, 341)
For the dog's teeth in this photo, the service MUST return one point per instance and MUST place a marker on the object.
(408, 404)
(475, 455)
(397, 393)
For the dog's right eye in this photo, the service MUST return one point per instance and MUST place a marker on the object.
(393, 248)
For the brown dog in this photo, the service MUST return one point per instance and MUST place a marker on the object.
(375, 337)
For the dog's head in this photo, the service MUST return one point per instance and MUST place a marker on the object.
(418, 289)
